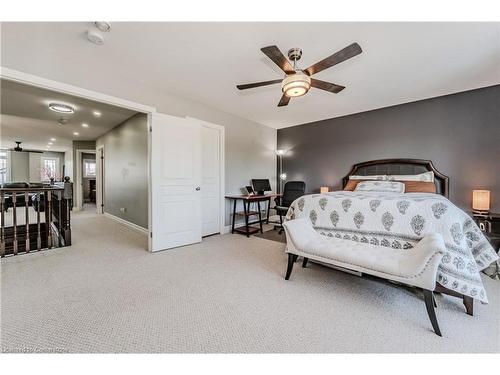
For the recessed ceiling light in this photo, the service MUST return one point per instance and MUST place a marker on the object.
(61, 108)
(52, 139)
(76, 133)
(104, 26)
(48, 146)
(50, 143)
(97, 114)
(85, 125)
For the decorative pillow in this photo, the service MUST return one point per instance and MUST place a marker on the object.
(419, 187)
(382, 186)
(379, 177)
(351, 184)
(426, 176)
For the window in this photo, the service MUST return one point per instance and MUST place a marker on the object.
(88, 168)
(4, 163)
(49, 169)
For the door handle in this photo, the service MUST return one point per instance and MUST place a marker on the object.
(198, 188)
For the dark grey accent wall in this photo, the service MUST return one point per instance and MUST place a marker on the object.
(460, 133)
(126, 170)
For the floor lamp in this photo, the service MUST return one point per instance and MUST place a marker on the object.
(282, 176)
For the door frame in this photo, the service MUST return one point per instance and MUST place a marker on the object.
(99, 179)
(37, 81)
(222, 168)
(78, 183)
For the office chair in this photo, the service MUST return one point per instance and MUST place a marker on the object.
(291, 191)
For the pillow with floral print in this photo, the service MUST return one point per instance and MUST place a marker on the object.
(381, 186)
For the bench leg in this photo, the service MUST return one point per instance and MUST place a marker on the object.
(429, 304)
(434, 300)
(304, 262)
(469, 305)
(291, 261)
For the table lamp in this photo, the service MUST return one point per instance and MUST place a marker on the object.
(481, 201)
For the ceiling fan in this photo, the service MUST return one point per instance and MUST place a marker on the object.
(297, 82)
(18, 148)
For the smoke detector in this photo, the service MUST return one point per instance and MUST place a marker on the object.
(95, 37)
(103, 26)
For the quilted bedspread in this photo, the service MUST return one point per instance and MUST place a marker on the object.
(400, 221)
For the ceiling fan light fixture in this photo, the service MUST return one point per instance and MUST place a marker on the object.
(296, 84)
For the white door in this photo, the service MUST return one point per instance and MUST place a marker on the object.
(210, 180)
(176, 182)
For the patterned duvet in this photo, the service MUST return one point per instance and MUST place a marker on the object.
(400, 221)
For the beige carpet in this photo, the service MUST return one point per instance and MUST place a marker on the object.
(227, 294)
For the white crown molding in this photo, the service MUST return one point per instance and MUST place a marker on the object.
(30, 79)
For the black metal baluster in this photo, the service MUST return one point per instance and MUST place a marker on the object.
(49, 221)
(27, 223)
(38, 234)
(59, 219)
(14, 219)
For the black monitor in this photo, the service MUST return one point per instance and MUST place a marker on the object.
(261, 185)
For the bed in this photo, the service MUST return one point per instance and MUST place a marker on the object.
(400, 220)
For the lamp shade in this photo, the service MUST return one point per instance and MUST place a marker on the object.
(324, 189)
(481, 200)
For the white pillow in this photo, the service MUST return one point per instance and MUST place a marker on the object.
(379, 177)
(426, 176)
(382, 186)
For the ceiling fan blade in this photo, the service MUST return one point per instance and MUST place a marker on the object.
(274, 53)
(342, 55)
(258, 84)
(327, 86)
(284, 100)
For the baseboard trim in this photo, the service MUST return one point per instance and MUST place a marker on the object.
(127, 223)
(227, 228)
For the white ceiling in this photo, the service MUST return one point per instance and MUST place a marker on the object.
(25, 117)
(401, 62)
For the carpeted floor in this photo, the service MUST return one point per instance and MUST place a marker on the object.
(226, 294)
(272, 235)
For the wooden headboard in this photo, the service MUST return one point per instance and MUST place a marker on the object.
(400, 166)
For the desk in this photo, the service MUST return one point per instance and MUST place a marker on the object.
(247, 199)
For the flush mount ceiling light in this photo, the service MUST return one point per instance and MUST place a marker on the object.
(104, 26)
(76, 133)
(61, 108)
(97, 113)
(85, 125)
(297, 84)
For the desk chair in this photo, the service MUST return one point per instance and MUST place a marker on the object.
(291, 191)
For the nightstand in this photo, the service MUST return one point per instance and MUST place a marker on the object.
(490, 225)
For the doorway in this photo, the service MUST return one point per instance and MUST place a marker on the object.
(100, 179)
(85, 182)
(158, 153)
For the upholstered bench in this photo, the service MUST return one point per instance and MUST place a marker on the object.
(416, 266)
